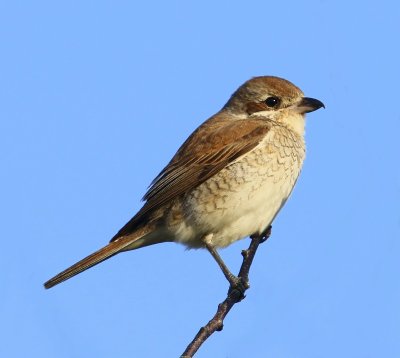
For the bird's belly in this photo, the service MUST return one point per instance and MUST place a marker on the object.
(241, 200)
(243, 215)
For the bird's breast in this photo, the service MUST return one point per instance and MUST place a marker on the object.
(244, 197)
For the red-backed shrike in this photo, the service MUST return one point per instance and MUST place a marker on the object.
(227, 181)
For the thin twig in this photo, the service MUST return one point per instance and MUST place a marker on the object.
(234, 296)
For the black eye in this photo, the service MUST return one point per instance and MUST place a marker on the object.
(272, 101)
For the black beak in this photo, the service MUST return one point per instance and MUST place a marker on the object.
(308, 104)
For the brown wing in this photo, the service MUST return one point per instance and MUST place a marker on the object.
(214, 145)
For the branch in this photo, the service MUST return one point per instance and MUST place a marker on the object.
(234, 296)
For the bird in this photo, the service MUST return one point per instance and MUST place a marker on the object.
(227, 181)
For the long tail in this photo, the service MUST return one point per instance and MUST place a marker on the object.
(95, 258)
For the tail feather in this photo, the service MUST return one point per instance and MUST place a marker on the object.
(95, 258)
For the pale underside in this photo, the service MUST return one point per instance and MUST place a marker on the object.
(240, 200)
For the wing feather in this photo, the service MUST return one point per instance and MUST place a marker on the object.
(208, 150)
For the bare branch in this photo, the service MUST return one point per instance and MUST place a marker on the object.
(235, 295)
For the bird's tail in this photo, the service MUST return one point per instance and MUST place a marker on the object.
(114, 247)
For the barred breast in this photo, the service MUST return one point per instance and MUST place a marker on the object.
(243, 198)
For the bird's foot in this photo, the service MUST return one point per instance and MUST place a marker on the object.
(264, 236)
(238, 286)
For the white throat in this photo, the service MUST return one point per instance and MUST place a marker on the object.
(291, 119)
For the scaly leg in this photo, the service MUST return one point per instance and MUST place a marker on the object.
(235, 282)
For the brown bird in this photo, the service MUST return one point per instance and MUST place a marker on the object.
(227, 181)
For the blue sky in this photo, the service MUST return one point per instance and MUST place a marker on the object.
(95, 99)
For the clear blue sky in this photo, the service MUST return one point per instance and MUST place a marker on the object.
(96, 96)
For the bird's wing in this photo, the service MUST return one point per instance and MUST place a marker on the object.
(207, 151)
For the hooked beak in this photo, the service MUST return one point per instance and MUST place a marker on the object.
(308, 104)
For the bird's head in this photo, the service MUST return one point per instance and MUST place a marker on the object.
(272, 98)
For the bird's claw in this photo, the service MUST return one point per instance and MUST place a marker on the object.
(264, 236)
(238, 286)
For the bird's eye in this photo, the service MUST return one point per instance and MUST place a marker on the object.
(272, 101)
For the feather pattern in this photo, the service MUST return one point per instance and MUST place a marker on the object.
(206, 152)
